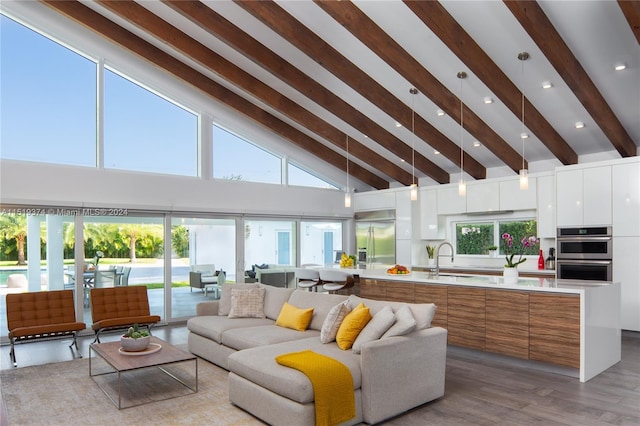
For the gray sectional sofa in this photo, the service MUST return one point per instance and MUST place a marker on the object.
(390, 375)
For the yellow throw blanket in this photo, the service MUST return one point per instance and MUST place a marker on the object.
(332, 385)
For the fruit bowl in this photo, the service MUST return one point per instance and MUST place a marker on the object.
(398, 270)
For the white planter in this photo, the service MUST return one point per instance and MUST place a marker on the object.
(493, 254)
(135, 345)
(510, 275)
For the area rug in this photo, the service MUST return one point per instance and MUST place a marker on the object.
(64, 394)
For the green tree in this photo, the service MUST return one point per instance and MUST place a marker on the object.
(180, 240)
(14, 227)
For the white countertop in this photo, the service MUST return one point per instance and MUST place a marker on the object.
(487, 281)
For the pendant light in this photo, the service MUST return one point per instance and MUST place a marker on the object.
(462, 185)
(414, 186)
(347, 190)
(524, 173)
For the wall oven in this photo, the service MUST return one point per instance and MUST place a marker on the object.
(585, 253)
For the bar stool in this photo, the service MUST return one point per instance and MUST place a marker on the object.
(334, 280)
(307, 278)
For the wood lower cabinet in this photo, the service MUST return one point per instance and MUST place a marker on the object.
(554, 329)
(528, 325)
(507, 323)
(466, 317)
(433, 294)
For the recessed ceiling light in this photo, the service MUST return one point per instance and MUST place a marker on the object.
(524, 135)
(402, 160)
(579, 124)
(436, 152)
(620, 67)
(476, 144)
(440, 113)
(547, 85)
(398, 124)
(488, 100)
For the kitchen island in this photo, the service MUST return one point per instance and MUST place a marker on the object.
(573, 324)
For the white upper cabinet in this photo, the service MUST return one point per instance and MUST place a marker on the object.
(626, 199)
(546, 206)
(449, 202)
(483, 197)
(404, 229)
(514, 198)
(583, 196)
(374, 200)
(429, 227)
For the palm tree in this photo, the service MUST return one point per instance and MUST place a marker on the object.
(14, 227)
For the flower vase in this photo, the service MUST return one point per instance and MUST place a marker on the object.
(510, 275)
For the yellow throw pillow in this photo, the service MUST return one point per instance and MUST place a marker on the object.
(295, 318)
(352, 325)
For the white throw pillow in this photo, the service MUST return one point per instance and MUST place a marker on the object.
(247, 303)
(332, 322)
(405, 323)
(224, 305)
(378, 325)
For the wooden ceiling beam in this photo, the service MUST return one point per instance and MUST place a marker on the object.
(224, 30)
(282, 23)
(101, 25)
(631, 11)
(436, 17)
(541, 30)
(368, 32)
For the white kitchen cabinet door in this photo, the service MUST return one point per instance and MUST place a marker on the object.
(626, 199)
(483, 197)
(514, 198)
(374, 200)
(429, 229)
(569, 198)
(404, 229)
(546, 206)
(449, 202)
(626, 270)
(597, 196)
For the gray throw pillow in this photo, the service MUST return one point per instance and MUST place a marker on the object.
(247, 303)
(332, 322)
(224, 305)
(405, 323)
(378, 325)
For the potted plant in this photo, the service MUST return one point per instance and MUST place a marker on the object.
(431, 251)
(493, 251)
(135, 340)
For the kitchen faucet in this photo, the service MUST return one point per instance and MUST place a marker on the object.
(437, 270)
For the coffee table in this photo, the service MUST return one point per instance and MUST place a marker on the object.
(137, 366)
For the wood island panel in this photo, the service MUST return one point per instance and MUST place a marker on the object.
(372, 289)
(507, 323)
(466, 316)
(399, 292)
(554, 329)
(433, 294)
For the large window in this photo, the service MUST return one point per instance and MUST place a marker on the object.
(236, 159)
(270, 242)
(475, 238)
(319, 242)
(145, 132)
(48, 99)
(300, 177)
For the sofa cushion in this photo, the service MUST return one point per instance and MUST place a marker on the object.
(333, 321)
(294, 317)
(225, 297)
(259, 366)
(422, 312)
(405, 323)
(378, 325)
(212, 326)
(247, 303)
(321, 303)
(352, 325)
(274, 299)
(251, 337)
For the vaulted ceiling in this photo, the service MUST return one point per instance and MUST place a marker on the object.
(330, 75)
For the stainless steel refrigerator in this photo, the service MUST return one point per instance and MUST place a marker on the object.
(376, 237)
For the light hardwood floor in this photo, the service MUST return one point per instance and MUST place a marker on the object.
(480, 389)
